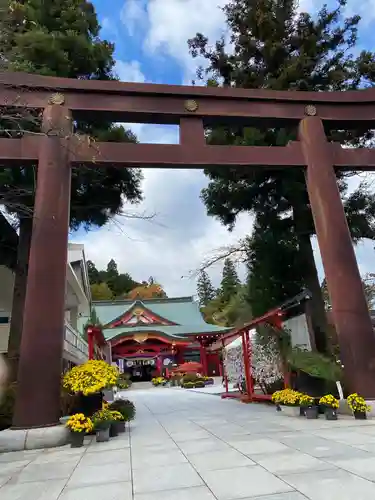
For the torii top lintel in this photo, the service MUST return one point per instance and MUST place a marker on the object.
(167, 104)
(192, 108)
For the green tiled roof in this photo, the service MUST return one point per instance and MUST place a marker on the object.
(183, 311)
(178, 332)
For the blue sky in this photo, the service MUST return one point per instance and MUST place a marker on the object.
(150, 38)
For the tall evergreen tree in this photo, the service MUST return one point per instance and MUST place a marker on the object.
(60, 38)
(274, 46)
(205, 290)
(229, 281)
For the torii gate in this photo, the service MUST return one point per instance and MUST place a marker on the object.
(191, 108)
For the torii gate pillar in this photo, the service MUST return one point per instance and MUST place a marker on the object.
(352, 320)
(40, 366)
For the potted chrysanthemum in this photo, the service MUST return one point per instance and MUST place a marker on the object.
(330, 404)
(358, 406)
(288, 401)
(79, 425)
(102, 420)
(116, 423)
(308, 404)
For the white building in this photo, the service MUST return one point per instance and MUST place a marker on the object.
(77, 304)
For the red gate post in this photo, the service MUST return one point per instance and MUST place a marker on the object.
(349, 306)
(39, 377)
(246, 357)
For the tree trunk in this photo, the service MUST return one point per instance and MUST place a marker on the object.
(318, 314)
(19, 294)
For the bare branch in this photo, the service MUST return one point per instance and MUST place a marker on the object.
(237, 251)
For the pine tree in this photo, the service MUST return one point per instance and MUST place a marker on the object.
(274, 46)
(229, 281)
(205, 290)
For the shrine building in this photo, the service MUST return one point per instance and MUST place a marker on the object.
(148, 336)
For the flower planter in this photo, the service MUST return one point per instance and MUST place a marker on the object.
(120, 426)
(312, 412)
(290, 411)
(360, 415)
(76, 439)
(102, 435)
(330, 413)
(113, 430)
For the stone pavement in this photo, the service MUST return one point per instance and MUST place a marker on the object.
(190, 446)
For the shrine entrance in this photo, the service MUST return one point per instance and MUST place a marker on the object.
(56, 149)
(140, 370)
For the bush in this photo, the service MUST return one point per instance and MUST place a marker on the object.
(125, 407)
(159, 381)
(7, 406)
(199, 384)
(190, 377)
(188, 385)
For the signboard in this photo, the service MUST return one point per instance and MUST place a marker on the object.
(139, 362)
(121, 365)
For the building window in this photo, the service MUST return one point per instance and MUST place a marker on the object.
(4, 320)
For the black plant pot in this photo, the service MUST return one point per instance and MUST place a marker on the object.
(360, 415)
(113, 430)
(76, 439)
(302, 411)
(120, 426)
(330, 413)
(102, 435)
(311, 412)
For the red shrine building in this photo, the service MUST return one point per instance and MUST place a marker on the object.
(149, 336)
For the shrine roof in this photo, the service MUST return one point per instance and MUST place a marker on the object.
(182, 314)
(177, 332)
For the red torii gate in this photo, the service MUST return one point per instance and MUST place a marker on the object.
(193, 108)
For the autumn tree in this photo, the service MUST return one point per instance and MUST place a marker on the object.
(274, 46)
(205, 290)
(60, 38)
(147, 291)
(101, 291)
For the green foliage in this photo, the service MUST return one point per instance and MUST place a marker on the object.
(116, 284)
(275, 46)
(205, 290)
(199, 384)
(61, 38)
(229, 281)
(101, 291)
(315, 364)
(188, 385)
(125, 407)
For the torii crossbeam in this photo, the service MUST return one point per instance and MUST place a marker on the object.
(192, 108)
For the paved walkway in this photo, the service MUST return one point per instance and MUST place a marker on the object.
(190, 446)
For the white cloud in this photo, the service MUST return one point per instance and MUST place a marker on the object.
(129, 71)
(172, 245)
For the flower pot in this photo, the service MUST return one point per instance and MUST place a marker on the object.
(120, 426)
(113, 430)
(76, 439)
(102, 435)
(330, 413)
(290, 411)
(360, 415)
(311, 412)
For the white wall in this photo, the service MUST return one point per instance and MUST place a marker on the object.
(299, 331)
